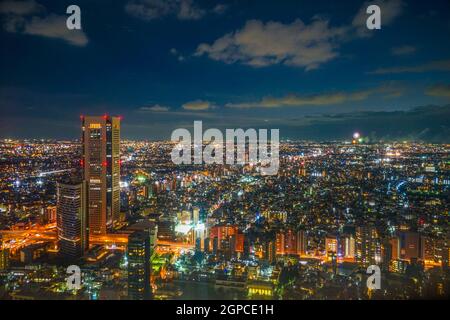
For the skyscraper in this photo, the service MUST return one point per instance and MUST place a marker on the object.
(409, 245)
(72, 218)
(139, 265)
(4, 256)
(368, 246)
(101, 162)
(301, 242)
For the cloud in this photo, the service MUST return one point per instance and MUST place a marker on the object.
(438, 65)
(182, 9)
(54, 26)
(177, 54)
(20, 7)
(403, 50)
(188, 11)
(155, 108)
(198, 105)
(150, 9)
(390, 9)
(439, 90)
(318, 99)
(299, 44)
(19, 17)
(260, 44)
(220, 8)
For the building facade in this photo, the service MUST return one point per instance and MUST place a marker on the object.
(101, 168)
(72, 224)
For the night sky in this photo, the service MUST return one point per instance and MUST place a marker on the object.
(309, 68)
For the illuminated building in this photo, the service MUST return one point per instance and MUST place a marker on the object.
(287, 242)
(409, 245)
(368, 248)
(221, 234)
(49, 214)
(399, 266)
(434, 250)
(195, 215)
(349, 247)
(279, 243)
(386, 250)
(395, 244)
(260, 289)
(334, 246)
(269, 253)
(301, 242)
(4, 256)
(150, 227)
(101, 162)
(239, 247)
(200, 236)
(32, 252)
(72, 218)
(138, 253)
(445, 249)
(184, 217)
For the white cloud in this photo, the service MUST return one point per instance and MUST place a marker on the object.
(262, 44)
(54, 26)
(299, 44)
(29, 17)
(154, 9)
(198, 105)
(155, 108)
(318, 99)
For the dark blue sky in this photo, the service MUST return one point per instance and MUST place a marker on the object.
(273, 64)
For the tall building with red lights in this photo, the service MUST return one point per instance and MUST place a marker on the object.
(101, 170)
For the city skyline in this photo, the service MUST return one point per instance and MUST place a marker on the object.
(229, 64)
(232, 150)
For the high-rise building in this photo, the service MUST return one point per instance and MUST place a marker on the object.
(101, 162)
(49, 214)
(195, 215)
(72, 218)
(270, 251)
(4, 256)
(368, 246)
(410, 245)
(386, 250)
(290, 242)
(222, 233)
(349, 247)
(301, 242)
(139, 267)
(334, 246)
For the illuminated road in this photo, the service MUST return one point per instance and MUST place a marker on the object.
(18, 239)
